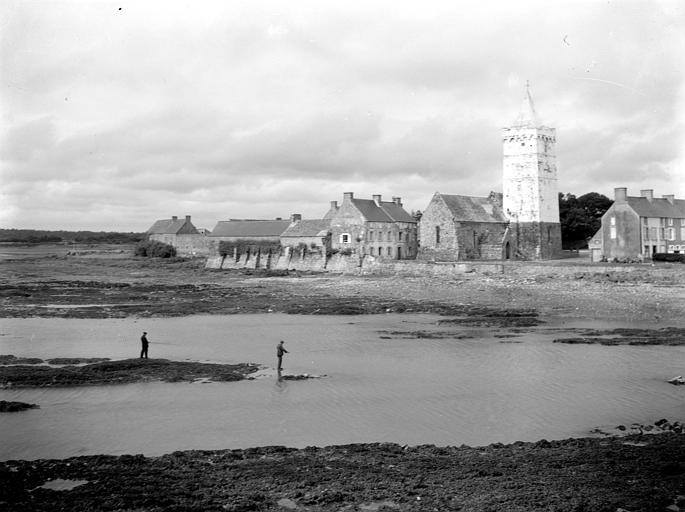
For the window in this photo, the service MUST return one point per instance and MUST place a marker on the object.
(670, 233)
(370, 236)
(345, 238)
(612, 228)
(652, 233)
(682, 233)
(670, 222)
(400, 236)
(389, 251)
(437, 235)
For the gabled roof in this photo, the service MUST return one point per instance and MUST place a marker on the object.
(308, 227)
(473, 209)
(396, 212)
(250, 228)
(371, 211)
(657, 207)
(169, 227)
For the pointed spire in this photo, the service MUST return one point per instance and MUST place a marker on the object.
(527, 117)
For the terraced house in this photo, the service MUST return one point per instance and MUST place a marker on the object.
(372, 227)
(637, 227)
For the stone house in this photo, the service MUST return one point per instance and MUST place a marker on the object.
(312, 234)
(638, 227)
(456, 227)
(372, 227)
(179, 233)
(524, 223)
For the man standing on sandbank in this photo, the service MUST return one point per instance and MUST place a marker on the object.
(144, 343)
(280, 350)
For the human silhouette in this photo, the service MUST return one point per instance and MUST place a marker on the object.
(144, 343)
(280, 350)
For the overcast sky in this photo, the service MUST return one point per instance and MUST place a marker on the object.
(115, 114)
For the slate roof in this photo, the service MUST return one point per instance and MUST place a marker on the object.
(166, 227)
(473, 209)
(396, 212)
(308, 227)
(250, 228)
(657, 207)
(371, 211)
(388, 211)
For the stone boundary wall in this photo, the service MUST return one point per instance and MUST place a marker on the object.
(371, 265)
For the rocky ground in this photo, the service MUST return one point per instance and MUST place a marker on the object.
(118, 372)
(92, 287)
(633, 473)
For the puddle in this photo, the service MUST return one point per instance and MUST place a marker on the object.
(59, 484)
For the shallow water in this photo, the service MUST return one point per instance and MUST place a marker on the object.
(414, 391)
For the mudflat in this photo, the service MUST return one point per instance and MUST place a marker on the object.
(115, 285)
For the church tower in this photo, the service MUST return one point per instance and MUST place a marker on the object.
(530, 200)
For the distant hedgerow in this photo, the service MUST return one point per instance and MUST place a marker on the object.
(155, 249)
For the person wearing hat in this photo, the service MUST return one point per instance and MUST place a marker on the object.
(144, 343)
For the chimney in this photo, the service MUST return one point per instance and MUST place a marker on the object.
(647, 194)
(669, 197)
(187, 218)
(377, 199)
(620, 195)
(173, 217)
(348, 196)
(295, 217)
(397, 201)
(334, 205)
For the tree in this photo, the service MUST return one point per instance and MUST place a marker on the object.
(581, 217)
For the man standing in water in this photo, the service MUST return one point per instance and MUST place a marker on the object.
(280, 350)
(144, 343)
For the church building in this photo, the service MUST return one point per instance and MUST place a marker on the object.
(521, 223)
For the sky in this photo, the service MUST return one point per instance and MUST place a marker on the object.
(116, 114)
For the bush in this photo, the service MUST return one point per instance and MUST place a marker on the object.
(663, 256)
(155, 249)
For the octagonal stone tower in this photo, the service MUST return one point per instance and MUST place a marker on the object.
(530, 199)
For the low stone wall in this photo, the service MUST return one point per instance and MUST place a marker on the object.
(373, 265)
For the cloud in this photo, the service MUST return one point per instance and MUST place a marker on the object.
(261, 109)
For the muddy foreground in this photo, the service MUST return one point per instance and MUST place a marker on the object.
(634, 473)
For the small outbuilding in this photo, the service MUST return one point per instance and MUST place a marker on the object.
(181, 234)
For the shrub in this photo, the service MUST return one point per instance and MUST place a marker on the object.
(663, 256)
(155, 249)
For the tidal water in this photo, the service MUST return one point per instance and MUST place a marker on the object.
(407, 390)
